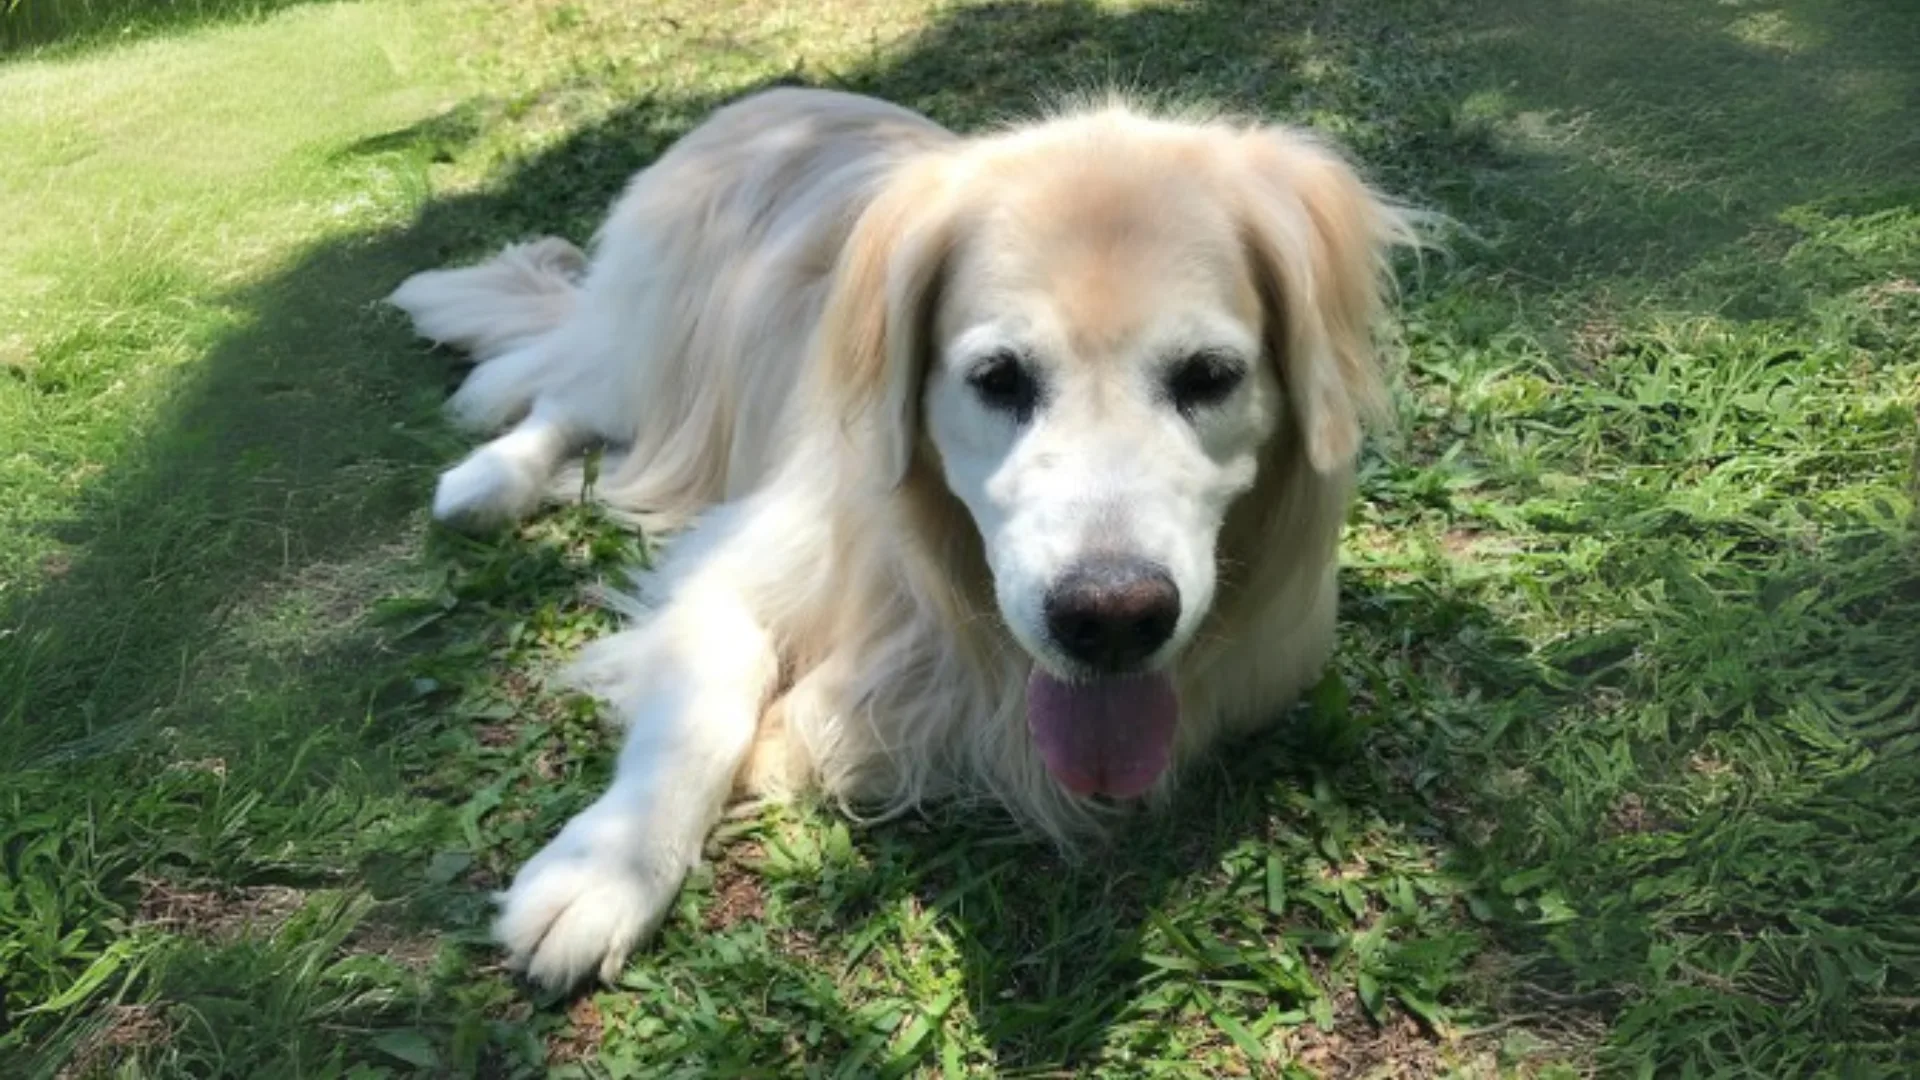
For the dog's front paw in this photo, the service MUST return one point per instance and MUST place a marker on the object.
(581, 908)
(489, 488)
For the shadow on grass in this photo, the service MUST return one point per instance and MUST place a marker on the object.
(1653, 140)
(304, 441)
(1733, 892)
(77, 24)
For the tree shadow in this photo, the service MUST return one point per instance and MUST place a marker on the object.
(69, 25)
(305, 440)
(264, 413)
(1730, 881)
(1647, 141)
(1757, 842)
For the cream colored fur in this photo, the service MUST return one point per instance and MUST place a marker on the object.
(773, 337)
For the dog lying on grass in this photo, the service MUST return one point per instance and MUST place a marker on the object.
(1010, 465)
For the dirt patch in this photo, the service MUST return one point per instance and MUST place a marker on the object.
(799, 945)
(1400, 1048)
(1888, 293)
(1356, 1047)
(128, 1029)
(413, 953)
(1468, 545)
(738, 896)
(218, 915)
(211, 766)
(497, 735)
(1595, 341)
(551, 763)
(1709, 764)
(1630, 815)
(56, 565)
(580, 1039)
(1460, 543)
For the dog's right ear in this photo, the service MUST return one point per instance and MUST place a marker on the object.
(876, 334)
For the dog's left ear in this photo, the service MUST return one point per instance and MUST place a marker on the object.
(1320, 240)
(877, 329)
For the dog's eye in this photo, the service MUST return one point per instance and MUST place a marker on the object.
(1203, 380)
(1005, 385)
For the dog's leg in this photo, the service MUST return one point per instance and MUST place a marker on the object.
(704, 670)
(505, 479)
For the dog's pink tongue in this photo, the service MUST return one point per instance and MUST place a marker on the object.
(1105, 737)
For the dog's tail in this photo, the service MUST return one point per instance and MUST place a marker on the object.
(499, 305)
(498, 312)
(506, 313)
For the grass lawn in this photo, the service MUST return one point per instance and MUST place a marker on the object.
(1618, 770)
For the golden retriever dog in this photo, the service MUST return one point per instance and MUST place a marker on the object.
(1009, 466)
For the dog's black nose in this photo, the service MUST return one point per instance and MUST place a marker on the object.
(1112, 612)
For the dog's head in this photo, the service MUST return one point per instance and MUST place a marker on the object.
(1098, 327)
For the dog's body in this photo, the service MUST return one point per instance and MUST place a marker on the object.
(1015, 465)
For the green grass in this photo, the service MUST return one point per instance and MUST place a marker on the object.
(1617, 770)
(77, 25)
